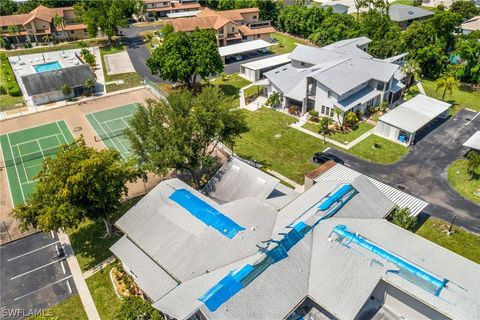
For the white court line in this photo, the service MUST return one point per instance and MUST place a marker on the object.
(116, 138)
(61, 131)
(16, 169)
(69, 288)
(63, 268)
(478, 113)
(101, 127)
(53, 234)
(31, 251)
(48, 285)
(36, 269)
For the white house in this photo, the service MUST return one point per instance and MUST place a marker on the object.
(339, 76)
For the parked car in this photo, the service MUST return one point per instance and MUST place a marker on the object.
(321, 158)
(263, 50)
(237, 57)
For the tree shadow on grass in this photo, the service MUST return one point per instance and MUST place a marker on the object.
(421, 219)
(229, 90)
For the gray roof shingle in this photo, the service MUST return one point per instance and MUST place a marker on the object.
(401, 12)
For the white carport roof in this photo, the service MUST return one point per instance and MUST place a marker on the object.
(243, 47)
(192, 13)
(415, 113)
(474, 141)
(268, 62)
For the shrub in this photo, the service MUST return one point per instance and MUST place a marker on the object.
(403, 218)
(293, 110)
(3, 90)
(313, 115)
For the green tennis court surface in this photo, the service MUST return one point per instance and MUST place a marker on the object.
(23, 152)
(110, 126)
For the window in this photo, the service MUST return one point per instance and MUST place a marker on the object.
(302, 64)
(329, 93)
(328, 111)
(254, 17)
(332, 112)
(323, 110)
(233, 29)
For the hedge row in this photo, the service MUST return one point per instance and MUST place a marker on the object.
(10, 83)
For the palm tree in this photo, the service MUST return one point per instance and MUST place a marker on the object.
(411, 68)
(473, 158)
(14, 31)
(339, 113)
(447, 83)
(89, 85)
(47, 38)
(58, 23)
(67, 91)
(324, 123)
(274, 100)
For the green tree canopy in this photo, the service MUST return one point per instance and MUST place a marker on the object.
(8, 7)
(184, 57)
(181, 132)
(403, 218)
(104, 15)
(79, 183)
(469, 52)
(466, 9)
(334, 27)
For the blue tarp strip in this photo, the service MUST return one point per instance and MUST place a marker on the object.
(206, 213)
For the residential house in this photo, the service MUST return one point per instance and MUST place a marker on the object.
(248, 247)
(405, 15)
(155, 9)
(341, 76)
(38, 23)
(231, 26)
(471, 25)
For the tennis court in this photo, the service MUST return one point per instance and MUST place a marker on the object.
(23, 152)
(110, 126)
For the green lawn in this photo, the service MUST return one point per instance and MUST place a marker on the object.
(63, 46)
(277, 146)
(462, 182)
(88, 240)
(130, 79)
(405, 2)
(231, 86)
(344, 138)
(9, 84)
(71, 308)
(107, 302)
(390, 152)
(8, 102)
(461, 97)
(461, 242)
(253, 90)
(285, 44)
(411, 92)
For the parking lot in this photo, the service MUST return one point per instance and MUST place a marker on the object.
(34, 276)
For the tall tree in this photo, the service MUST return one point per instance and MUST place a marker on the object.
(8, 7)
(79, 183)
(469, 52)
(184, 57)
(14, 31)
(182, 131)
(58, 23)
(466, 9)
(411, 68)
(473, 162)
(67, 91)
(104, 15)
(447, 83)
(334, 27)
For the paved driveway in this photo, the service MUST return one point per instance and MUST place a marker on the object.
(34, 276)
(423, 171)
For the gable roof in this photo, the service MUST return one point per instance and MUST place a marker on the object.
(50, 81)
(472, 24)
(234, 15)
(401, 12)
(41, 12)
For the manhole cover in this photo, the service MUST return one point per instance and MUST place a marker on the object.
(76, 129)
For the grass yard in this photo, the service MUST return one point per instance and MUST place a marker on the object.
(101, 288)
(231, 86)
(344, 138)
(88, 243)
(461, 242)
(71, 308)
(253, 90)
(405, 2)
(286, 43)
(9, 84)
(390, 152)
(460, 98)
(130, 79)
(97, 42)
(277, 146)
(462, 182)
(411, 92)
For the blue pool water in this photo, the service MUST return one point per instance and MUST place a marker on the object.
(47, 66)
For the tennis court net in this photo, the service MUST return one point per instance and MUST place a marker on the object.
(30, 156)
(110, 134)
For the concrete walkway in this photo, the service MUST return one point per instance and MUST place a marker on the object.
(80, 283)
(336, 143)
(420, 88)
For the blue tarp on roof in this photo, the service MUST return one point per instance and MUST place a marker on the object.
(225, 288)
(206, 213)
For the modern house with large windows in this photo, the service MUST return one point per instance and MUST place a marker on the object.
(248, 247)
(340, 76)
(35, 26)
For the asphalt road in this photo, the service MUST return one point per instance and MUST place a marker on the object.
(33, 276)
(423, 171)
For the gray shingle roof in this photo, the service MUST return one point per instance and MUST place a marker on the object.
(401, 12)
(50, 81)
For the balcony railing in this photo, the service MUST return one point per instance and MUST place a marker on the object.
(259, 24)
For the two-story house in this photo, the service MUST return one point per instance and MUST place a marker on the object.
(155, 9)
(340, 76)
(231, 26)
(35, 25)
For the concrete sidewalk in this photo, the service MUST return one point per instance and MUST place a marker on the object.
(80, 283)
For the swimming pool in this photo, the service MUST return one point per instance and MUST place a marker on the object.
(47, 66)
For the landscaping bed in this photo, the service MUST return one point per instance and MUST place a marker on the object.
(275, 145)
(462, 181)
(10, 94)
(344, 138)
(461, 241)
(386, 152)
